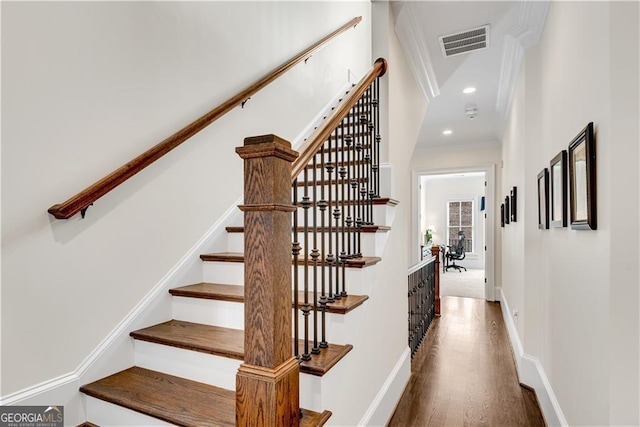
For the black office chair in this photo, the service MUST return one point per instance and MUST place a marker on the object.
(456, 253)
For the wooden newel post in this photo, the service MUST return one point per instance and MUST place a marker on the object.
(435, 251)
(267, 383)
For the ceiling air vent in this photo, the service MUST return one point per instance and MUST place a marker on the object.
(466, 41)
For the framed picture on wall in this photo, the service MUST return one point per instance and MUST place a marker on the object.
(507, 210)
(514, 204)
(558, 190)
(543, 199)
(502, 215)
(582, 180)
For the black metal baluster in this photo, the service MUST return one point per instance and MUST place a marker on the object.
(306, 307)
(344, 208)
(325, 244)
(377, 133)
(315, 254)
(358, 180)
(371, 180)
(295, 250)
(347, 164)
(333, 245)
(421, 296)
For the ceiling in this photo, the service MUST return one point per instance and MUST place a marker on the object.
(514, 26)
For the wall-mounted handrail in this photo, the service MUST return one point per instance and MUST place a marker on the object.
(320, 135)
(81, 201)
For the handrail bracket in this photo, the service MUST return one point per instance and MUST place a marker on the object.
(83, 211)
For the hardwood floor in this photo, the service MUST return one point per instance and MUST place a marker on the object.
(464, 373)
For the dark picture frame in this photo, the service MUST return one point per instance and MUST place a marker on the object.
(514, 204)
(502, 215)
(558, 190)
(582, 180)
(543, 199)
(507, 211)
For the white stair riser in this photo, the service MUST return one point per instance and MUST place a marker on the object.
(225, 273)
(208, 369)
(340, 328)
(232, 273)
(368, 242)
(225, 314)
(107, 414)
(231, 315)
(384, 215)
(193, 365)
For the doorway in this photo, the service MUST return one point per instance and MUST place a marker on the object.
(453, 202)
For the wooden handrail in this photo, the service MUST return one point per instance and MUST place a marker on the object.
(320, 135)
(81, 201)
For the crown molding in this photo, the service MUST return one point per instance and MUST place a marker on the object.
(414, 44)
(532, 16)
(458, 146)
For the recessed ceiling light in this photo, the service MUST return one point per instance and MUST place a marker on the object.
(469, 89)
(447, 132)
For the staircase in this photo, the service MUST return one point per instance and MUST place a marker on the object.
(188, 368)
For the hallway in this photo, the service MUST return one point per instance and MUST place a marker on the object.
(464, 373)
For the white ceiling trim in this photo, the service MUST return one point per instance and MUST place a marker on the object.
(526, 33)
(414, 44)
(459, 146)
(512, 56)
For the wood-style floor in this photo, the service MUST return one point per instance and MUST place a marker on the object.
(464, 373)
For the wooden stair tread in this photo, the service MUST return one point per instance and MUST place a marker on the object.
(319, 164)
(239, 257)
(176, 400)
(215, 340)
(227, 342)
(339, 306)
(214, 291)
(365, 229)
(235, 293)
(376, 201)
(334, 149)
(340, 181)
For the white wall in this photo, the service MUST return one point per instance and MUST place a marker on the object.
(436, 192)
(513, 151)
(89, 85)
(577, 298)
(406, 108)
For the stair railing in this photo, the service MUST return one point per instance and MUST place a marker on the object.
(81, 201)
(424, 297)
(347, 148)
(335, 181)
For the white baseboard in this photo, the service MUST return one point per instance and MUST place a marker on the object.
(382, 407)
(531, 372)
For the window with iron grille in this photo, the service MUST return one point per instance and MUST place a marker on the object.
(460, 218)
